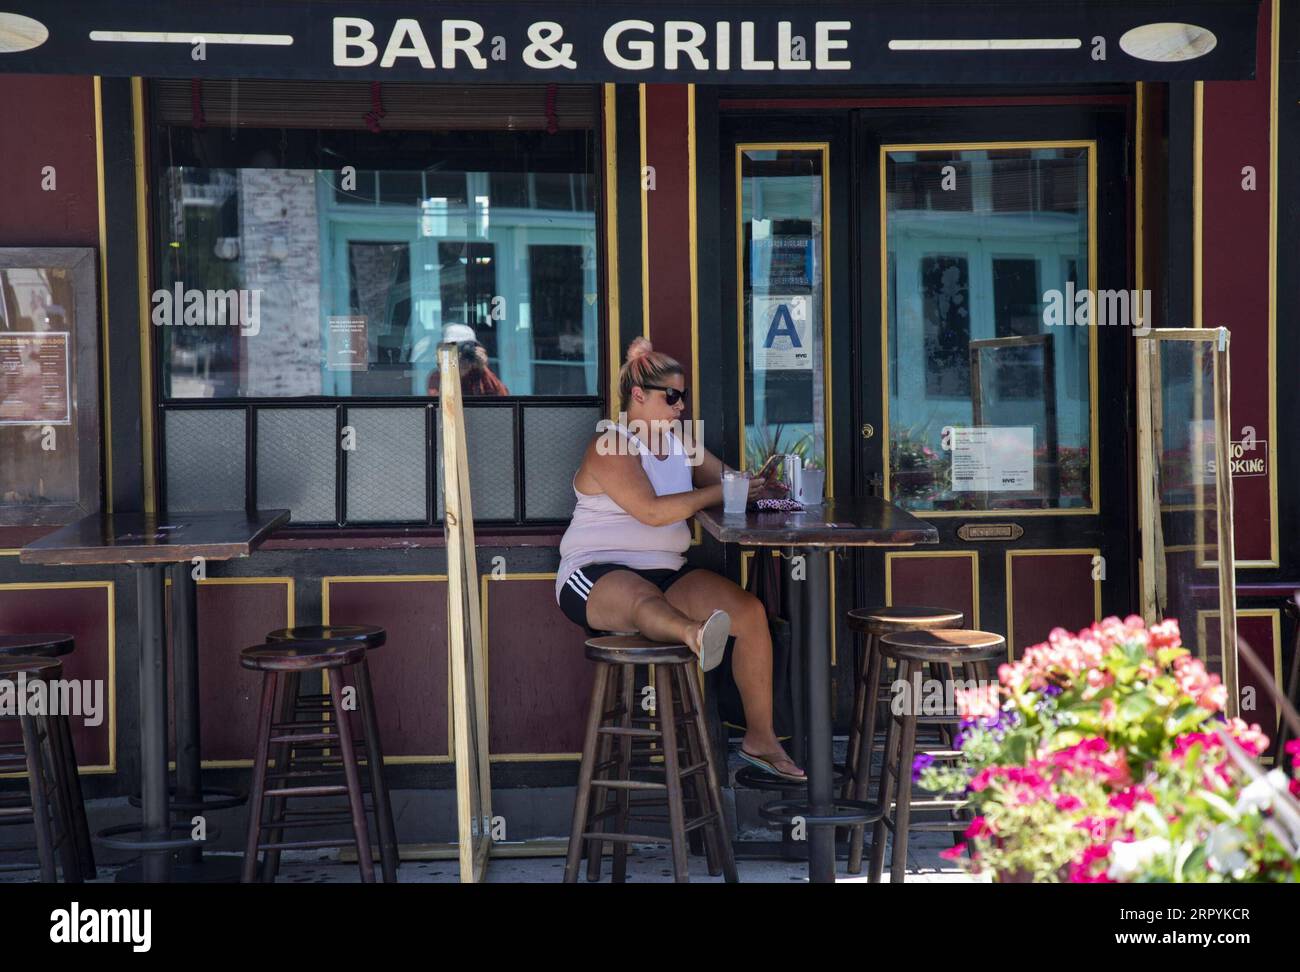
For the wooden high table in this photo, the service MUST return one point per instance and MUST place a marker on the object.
(152, 543)
(864, 521)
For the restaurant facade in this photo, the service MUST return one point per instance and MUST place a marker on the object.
(871, 233)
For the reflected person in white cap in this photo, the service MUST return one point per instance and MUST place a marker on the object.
(476, 378)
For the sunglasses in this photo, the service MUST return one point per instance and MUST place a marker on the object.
(671, 395)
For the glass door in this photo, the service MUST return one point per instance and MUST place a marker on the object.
(995, 325)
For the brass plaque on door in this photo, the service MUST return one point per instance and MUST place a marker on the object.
(990, 531)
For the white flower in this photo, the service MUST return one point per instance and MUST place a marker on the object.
(1223, 850)
(1130, 858)
(1260, 793)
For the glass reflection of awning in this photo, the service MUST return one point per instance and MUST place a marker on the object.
(625, 41)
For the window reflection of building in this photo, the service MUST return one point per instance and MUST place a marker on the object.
(781, 236)
(976, 238)
(512, 254)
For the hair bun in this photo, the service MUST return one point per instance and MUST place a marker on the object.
(639, 346)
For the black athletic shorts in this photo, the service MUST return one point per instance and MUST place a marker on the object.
(573, 596)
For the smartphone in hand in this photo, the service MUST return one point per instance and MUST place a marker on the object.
(769, 467)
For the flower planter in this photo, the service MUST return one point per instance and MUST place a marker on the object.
(1105, 756)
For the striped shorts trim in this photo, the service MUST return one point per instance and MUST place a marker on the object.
(577, 587)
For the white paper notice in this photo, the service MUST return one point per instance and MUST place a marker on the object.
(993, 459)
(782, 333)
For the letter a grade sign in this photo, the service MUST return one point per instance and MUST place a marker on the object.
(782, 334)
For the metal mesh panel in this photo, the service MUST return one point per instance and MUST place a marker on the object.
(386, 480)
(489, 442)
(554, 441)
(295, 462)
(205, 459)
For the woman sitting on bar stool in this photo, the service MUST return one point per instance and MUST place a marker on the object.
(622, 563)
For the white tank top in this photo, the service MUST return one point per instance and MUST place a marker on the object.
(603, 532)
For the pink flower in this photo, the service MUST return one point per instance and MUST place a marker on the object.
(1013, 675)
(1130, 797)
(1198, 684)
(953, 853)
(1184, 743)
(1249, 738)
(981, 780)
(1099, 679)
(1068, 803)
(1165, 634)
(1093, 756)
(1099, 827)
(978, 828)
(1082, 868)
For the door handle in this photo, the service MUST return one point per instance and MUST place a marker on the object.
(868, 430)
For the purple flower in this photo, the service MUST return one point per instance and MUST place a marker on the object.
(921, 763)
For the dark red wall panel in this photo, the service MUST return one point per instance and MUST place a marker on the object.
(232, 616)
(1261, 631)
(410, 671)
(1235, 272)
(86, 613)
(48, 120)
(940, 581)
(539, 681)
(668, 219)
(1046, 591)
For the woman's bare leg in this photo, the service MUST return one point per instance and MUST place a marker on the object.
(700, 593)
(624, 601)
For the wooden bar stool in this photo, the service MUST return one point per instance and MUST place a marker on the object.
(52, 645)
(677, 733)
(45, 805)
(871, 682)
(275, 660)
(297, 704)
(918, 652)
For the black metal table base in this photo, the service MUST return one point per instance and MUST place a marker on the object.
(840, 813)
(161, 860)
(212, 798)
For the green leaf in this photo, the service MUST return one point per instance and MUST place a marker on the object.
(1135, 706)
(1228, 811)
(1019, 746)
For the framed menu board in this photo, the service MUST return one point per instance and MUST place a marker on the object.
(49, 386)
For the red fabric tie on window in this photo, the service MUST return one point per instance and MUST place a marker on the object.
(376, 111)
(196, 104)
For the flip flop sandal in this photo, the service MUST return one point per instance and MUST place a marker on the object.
(713, 634)
(767, 766)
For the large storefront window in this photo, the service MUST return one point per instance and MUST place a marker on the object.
(312, 253)
(337, 277)
(990, 373)
(781, 241)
